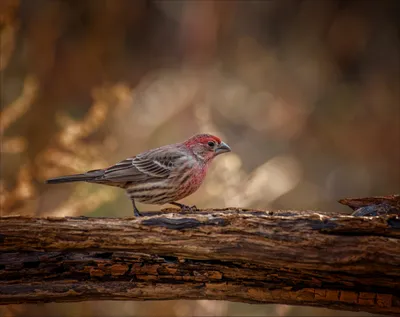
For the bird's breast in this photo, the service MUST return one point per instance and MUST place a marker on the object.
(191, 181)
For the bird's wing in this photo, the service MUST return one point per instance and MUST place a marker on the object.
(146, 167)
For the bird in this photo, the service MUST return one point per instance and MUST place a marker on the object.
(159, 176)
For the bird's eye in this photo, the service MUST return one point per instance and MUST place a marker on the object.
(211, 143)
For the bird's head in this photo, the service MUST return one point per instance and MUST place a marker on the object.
(206, 146)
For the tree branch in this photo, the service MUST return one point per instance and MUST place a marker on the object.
(288, 257)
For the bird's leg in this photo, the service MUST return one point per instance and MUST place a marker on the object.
(135, 210)
(184, 207)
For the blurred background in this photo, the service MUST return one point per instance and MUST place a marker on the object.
(306, 93)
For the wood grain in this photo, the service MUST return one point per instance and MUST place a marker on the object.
(287, 257)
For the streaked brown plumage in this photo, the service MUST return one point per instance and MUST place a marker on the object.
(159, 176)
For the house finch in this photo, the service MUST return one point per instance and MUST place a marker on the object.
(159, 176)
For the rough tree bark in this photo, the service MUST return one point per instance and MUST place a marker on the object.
(287, 257)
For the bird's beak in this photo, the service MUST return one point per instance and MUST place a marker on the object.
(222, 148)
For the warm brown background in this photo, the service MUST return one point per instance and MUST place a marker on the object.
(305, 92)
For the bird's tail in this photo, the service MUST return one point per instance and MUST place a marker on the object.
(86, 177)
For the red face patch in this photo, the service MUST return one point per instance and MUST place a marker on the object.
(203, 138)
(208, 138)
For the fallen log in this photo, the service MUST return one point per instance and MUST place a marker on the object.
(286, 257)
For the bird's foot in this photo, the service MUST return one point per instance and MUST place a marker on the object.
(185, 208)
(188, 209)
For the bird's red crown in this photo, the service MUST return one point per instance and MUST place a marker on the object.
(203, 138)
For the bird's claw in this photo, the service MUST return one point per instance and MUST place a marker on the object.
(188, 209)
(185, 208)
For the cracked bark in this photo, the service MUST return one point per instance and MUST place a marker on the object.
(288, 257)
